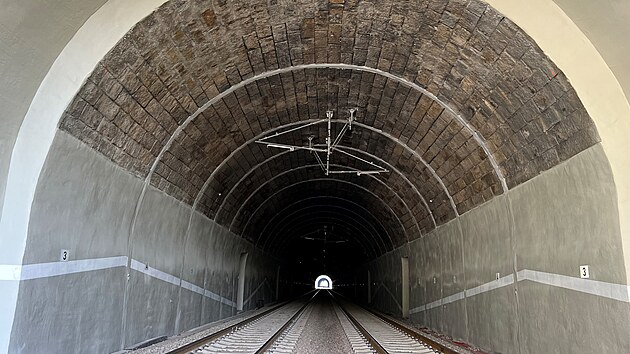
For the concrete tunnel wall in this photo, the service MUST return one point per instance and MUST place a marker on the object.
(454, 289)
(394, 262)
(85, 204)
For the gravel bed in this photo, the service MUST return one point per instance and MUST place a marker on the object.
(456, 346)
(323, 332)
(196, 333)
(287, 341)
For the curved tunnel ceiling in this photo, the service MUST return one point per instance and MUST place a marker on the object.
(454, 99)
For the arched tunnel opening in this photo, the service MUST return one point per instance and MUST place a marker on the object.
(172, 167)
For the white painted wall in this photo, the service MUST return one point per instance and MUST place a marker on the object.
(73, 65)
(596, 85)
(32, 34)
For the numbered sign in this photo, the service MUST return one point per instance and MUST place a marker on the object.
(64, 255)
(584, 274)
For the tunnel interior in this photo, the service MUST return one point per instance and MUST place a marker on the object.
(451, 97)
(157, 166)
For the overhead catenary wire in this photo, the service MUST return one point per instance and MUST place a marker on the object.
(329, 147)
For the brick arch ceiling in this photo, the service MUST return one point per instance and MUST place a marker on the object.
(455, 99)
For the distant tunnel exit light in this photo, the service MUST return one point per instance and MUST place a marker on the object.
(323, 282)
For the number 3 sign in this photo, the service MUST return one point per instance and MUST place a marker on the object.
(584, 272)
(65, 254)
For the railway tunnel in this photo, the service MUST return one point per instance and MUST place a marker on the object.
(155, 174)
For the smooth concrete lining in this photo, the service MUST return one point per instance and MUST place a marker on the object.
(84, 204)
(404, 285)
(601, 99)
(32, 33)
(607, 24)
(158, 243)
(240, 295)
(38, 128)
(369, 287)
(535, 237)
(70, 314)
(600, 92)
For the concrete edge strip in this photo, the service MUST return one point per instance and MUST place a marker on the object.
(618, 292)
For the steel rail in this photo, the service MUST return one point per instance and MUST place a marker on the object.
(268, 345)
(441, 348)
(411, 332)
(192, 346)
(370, 339)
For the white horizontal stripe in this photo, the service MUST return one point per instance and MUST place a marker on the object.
(392, 296)
(207, 293)
(613, 291)
(192, 287)
(417, 309)
(158, 274)
(255, 291)
(453, 298)
(495, 284)
(52, 269)
(211, 295)
(433, 304)
(44, 270)
(10, 272)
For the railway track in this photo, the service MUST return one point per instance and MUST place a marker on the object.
(257, 334)
(278, 330)
(371, 333)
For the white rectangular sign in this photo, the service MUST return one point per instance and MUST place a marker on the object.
(584, 274)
